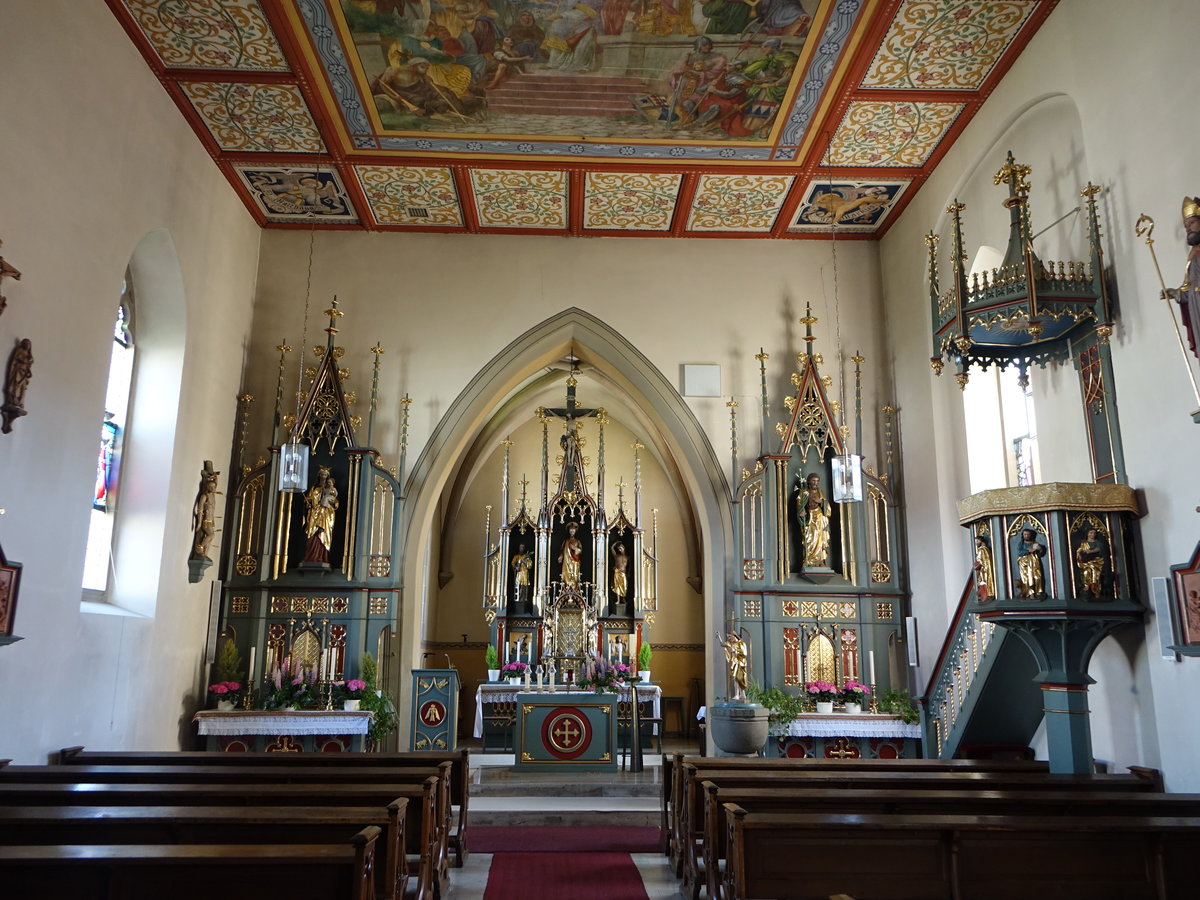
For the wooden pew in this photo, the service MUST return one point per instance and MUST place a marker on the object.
(797, 856)
(258, 774)
(690, 815)
(193, 871)
(936, 802)
(50, 825)
(673, 776)
(421, 831)
(460, 785)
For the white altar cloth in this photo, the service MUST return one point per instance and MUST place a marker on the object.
(295, 722)
(507, 693)
(843, 725)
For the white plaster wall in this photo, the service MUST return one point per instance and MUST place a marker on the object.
(1129, 133)
(95, 158)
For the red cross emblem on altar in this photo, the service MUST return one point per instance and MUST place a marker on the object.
(566, 733)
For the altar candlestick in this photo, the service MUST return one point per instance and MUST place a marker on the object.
(871, 664)
(527, 678)
(552, 685)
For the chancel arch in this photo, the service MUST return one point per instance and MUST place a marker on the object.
(460, 463)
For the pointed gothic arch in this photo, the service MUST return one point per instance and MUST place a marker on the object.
(677, 436)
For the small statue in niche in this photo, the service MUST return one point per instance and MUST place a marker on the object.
(322, 502)
(737, 658)
(522, 565)
(812, 511)
(204, 512)
(20, 371)
(985, 570)
(1032, 583)
(620, 565)
(1090, 557)
(571, 555)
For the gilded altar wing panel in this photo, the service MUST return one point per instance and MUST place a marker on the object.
(945, 44)
(297, 194)
(259, 117)
(890, 133)
(410, 195)
(643, 201)
(232, 34)
(518, 198)
(738, 202)
(855, 206)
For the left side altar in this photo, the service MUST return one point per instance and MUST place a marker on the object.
(310, 592)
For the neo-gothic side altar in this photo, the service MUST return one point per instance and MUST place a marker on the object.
(845, 736)
(573, 730)
(292, 731)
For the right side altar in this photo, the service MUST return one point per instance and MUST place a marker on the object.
(819, 591)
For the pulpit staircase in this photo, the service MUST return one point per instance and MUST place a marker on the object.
(981, 695)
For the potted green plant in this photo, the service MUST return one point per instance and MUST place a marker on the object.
(492, 658)
(896, 702)
(376, 700)
(782, 707)
(643, 661)
(349, 692)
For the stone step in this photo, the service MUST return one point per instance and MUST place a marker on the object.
(558, 811)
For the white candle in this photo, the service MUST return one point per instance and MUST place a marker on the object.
(250, 667)
(871, 664)
(506, 649)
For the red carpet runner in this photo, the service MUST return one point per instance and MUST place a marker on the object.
(550, 876)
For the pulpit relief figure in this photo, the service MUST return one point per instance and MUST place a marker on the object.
(985, 570)
(812, 511)
(1032, 583)
(322, 502)
(737, 658)
(1090, 558)
(571, 555)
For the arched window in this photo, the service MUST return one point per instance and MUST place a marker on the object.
(98, 569)
(998, 413)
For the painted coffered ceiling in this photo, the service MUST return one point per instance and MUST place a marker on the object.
(654, 118)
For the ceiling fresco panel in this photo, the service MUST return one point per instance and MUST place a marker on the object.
(520, 198)
(857, 206)
(946, 44)
(410, 195)
(261, 117)
(890, 133)
(297, 194)
(209, 34)
(643, 201)
(738, 202)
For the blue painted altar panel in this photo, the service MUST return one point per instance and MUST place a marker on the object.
(574, 731)
(435, 710)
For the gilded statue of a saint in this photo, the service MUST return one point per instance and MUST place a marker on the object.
(522, 565)
(985, 570)
(737, 657)
(620, 565)
(1090, 558)
(571, 555)
(1032, 583)
(813, 513)
(204, 513)
(322, 502)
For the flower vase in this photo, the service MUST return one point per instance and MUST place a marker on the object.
(824, 707)
(515, 682)
(225, 706)
(854, 709)
(645, 675)
(493, 675)
(351, 705)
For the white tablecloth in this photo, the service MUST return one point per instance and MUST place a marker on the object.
(842, 725)
(316, 721)
(506, 693)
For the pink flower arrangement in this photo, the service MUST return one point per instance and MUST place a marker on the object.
(822, 691)
(350, 689)
(854, 692)
(293, 685)
(513, 670)
(227, 690)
